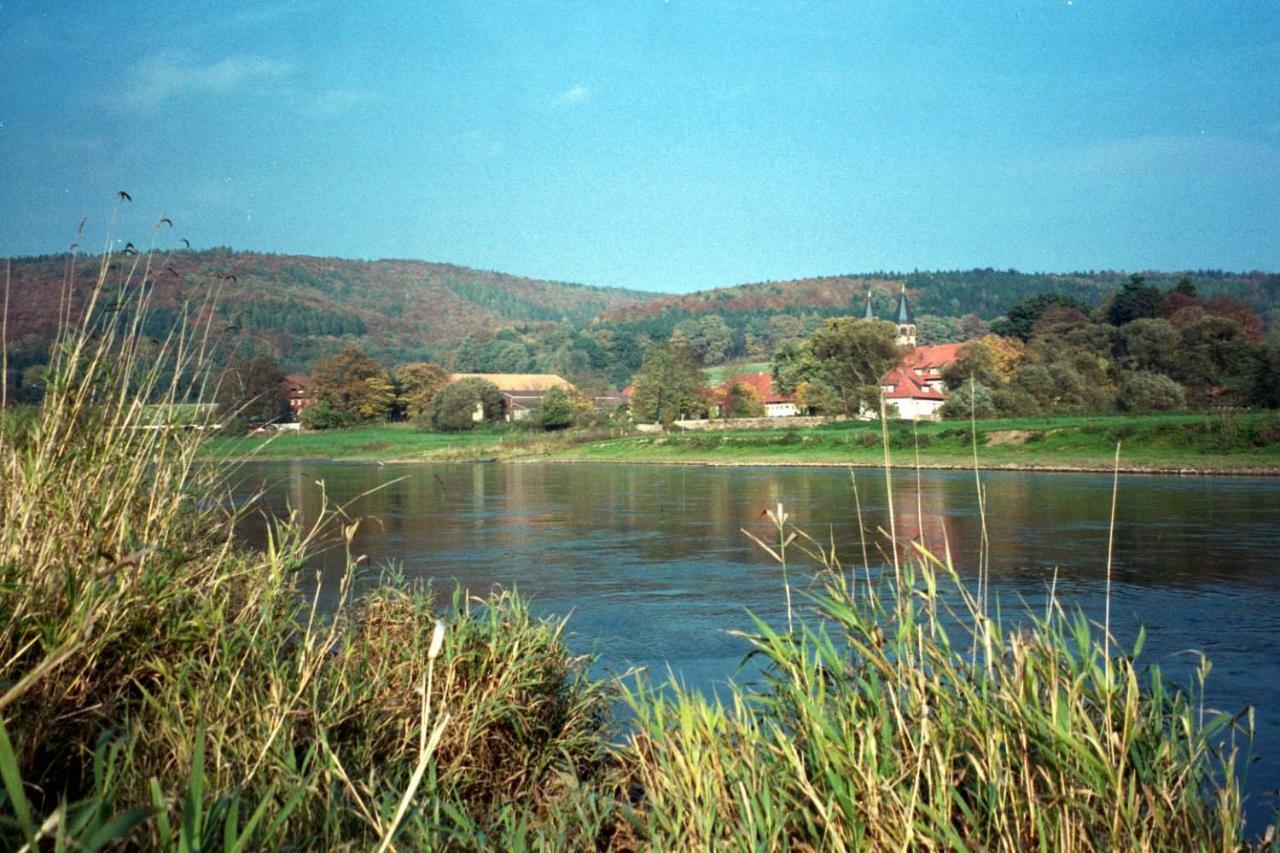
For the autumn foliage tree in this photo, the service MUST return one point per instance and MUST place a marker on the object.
(348, 389)
(416, 383)
(743, 401)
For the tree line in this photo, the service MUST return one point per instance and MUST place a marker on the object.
(352, 389)
(1141, 349)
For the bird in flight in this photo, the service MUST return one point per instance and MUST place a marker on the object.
(186, 242)
(124, 196)
(73, 247)
(129, 249)
(171, 271)
(164, 220)
(80, 229)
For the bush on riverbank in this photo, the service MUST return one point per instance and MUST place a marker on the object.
(163, 686)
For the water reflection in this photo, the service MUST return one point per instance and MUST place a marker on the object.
(652, 564)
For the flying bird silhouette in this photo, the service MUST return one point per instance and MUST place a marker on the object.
(164, 220)
(171, 271)
(186, 242)
(128, 249)
(80, 228)
(124, 196)
(73, 247)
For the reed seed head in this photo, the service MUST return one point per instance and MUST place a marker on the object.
(437, 641)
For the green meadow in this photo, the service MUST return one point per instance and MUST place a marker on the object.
(1220, 442)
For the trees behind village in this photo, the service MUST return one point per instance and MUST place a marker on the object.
(1140, 350)
(251, 393)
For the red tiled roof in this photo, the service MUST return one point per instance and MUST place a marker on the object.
(761, 382)
(932, 357)
(922, 364)
(299, 387)
(906, 386)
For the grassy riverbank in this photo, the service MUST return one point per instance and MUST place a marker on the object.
(1233, 442)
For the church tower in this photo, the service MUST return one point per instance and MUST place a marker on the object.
(905, 319)
(867, 313)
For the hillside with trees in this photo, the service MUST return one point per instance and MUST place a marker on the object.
(949, 305)
(301, 309)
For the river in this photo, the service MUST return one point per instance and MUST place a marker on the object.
(651, 566)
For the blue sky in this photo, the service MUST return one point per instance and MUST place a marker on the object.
(660, 145)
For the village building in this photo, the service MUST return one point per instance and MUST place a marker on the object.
(299, 394)
(775, 405)
(912, 398)
(521, 392)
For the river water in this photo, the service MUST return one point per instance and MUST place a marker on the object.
(651, 566)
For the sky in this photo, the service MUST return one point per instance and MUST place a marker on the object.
(657, 144)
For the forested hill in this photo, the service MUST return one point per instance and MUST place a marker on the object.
(986, 293)
(301, 307)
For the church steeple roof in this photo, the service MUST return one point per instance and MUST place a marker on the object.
(903, 315)
(868, 314)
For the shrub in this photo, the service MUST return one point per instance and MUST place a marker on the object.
(969, 400)
(554, 410)
(321, 415)
(1014, 402)
(464, 404)
(1150, 392)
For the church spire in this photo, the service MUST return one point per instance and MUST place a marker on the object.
(868, 314)
(904, 317)
(906, 321)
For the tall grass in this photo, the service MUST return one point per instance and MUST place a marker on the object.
(164, 685)
(161, 685)
(876, 728)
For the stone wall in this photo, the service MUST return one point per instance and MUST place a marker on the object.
(751, 423)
